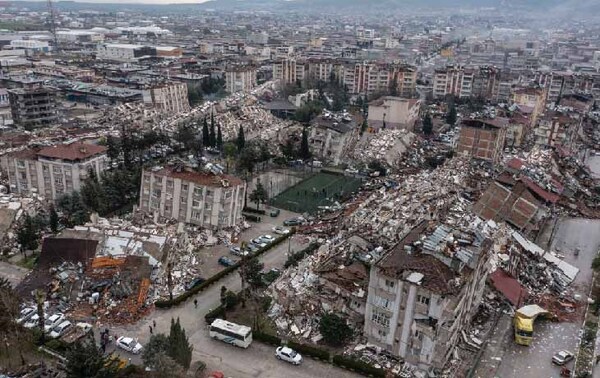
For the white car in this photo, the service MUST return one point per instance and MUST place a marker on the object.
(34, 321)
(562, 357)
(61, 329)
(53, 321)
(281, 230)
(288, 355)
(267, 239)
(259, 243)
(129, 344)
(25, 314)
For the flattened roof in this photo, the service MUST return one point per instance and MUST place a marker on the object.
(73, 151)
(205, 179)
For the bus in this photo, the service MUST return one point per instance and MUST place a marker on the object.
(235, 334)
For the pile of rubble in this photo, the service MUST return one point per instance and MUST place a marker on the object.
(387, 145)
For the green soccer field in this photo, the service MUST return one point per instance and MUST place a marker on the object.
(322, 189)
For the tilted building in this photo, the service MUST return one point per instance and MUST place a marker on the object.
(33, 106)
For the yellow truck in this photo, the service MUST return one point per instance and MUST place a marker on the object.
(523, 323)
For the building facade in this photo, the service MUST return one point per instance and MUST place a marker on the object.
(240, 79)
(200, 198)
(53, 171)
(482, 139)
(288, 71)
(170, 98)
(422, 296)
(33, 106)
(395, 112)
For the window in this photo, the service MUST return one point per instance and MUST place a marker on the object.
(209, 192)
(198, 192)
(380, 318)
(422, 299)
(389, 283)
(228, 194)
(184, 187)
(382, 333)
(196, 203)
(419, 335)
(382, 302)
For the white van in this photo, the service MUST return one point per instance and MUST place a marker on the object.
(61, 329)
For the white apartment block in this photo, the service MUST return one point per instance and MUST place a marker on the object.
(369, 78)
(169, 98)
(53, 171)
(396, 112)
(423, 294)
(288, 71)
(199, 198)
(240, 79)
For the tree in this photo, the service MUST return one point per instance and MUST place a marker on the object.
(9, 307)
(451, 115)
(166, 366)
(114, 149)
(53, 220)
(377, 166)
(334, 329)
(205, 133)
(427, 125)
(288, 149)
(304, 147)
(92, 192)
(394, 86)
(259, 195)
(180, 348)
(85, 359)
(241, 139)
(73, 209)
(158, 343)
(194, 97)
(219, 138)
(28, 234)
(40, 298)
(363, 127)
(229, 150)
(212, 136)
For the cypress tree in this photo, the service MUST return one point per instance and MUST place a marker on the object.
(219, 138)
(213, 134)
(205, 135)
(180, 349)
(241, 139)
(304, 147)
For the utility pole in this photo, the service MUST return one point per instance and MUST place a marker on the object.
(52, 21)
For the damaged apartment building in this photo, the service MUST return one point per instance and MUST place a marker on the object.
(208, 198)
(425, 290)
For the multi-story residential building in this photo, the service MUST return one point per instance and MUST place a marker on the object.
(424, 292)
(132, 53)
(204, 199)
(394, 112)
(369, 78)
(556, 129)
(30, 46)
(169, 98)
(531, 101)
(240, 79)
(33, 105)
(329, 136)
(53, 171)
(288, 71)
(482, 139)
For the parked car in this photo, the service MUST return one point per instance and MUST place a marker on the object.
(53, 321)
(281, 230)
(288, 355)
(193, 283)
(61, 329)
(226, 261)
(562, 357)
(237, 251)
(292, 222)
(275, 212)
(129, 344)
(267, 239)
(25, 314)
(259, 243)
(252, 247)
(34, 321)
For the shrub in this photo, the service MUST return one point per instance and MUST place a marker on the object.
(358, 366)
(252, 218)
(266, 338)
(309, 350)
(248, 209)
(56, 345)
(334, 329)
(217, 313)
(215, 278)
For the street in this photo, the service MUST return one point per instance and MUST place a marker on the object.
(535, 361)
(13, 273)
(256, 361)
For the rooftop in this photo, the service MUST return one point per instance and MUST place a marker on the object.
(73, 151)
(201, 178)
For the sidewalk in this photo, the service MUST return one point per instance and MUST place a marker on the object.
(495, 349)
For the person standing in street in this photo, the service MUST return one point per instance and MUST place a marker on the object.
(195, 303)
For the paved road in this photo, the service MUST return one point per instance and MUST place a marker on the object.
(13, 273)
(256, 361)
(535, 361)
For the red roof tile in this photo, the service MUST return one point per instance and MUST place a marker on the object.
(515, 163)
(73, 151)
(544, 194)
(509, 287)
